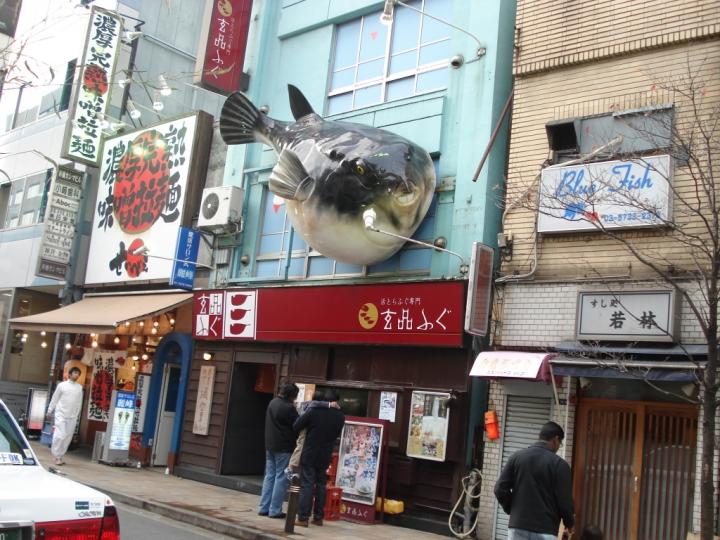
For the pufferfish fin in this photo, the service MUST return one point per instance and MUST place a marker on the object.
(289, 179)
(240, 121)
(298, 103)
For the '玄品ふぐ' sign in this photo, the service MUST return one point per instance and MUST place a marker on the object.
(148, 185)
(83, 135)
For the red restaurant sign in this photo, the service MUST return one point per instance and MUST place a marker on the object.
(428, 313)
(225, 49)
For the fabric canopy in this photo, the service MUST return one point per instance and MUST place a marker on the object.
(101, 314)
(680, 371)
(511, 365)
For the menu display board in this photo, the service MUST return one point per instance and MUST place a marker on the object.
(359, 461)
(428, 426)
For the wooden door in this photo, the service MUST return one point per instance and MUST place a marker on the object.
(634, 468)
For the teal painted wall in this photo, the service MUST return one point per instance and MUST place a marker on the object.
(294, 45)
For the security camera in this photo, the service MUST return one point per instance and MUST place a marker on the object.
(457, 61)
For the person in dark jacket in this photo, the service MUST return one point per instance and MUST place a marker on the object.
(279, 445)
(535, 489)
(323, 425)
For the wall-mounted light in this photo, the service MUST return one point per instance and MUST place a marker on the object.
(129, 35)
(144, 356)
(165, 90)
(153, 331)
(156, 324)
(44, 344)
(116, 341)
(208, 355)
(94, 344)
(68, 346)
(141, 323)
(43, 333)
(133, 111)
(158, 105)
(127, 323)
(172, 322)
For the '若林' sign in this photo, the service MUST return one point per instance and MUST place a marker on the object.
(83, 135)
(149, 183)
(605, 195)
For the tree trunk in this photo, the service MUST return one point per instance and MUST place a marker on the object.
(709, 407)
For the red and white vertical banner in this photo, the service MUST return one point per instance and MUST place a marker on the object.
(226, 44)
(83, 133)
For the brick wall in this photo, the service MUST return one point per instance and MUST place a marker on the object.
(539, 315)
(552, 33)
(493, 450)
(619, 83)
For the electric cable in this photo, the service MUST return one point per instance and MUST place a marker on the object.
(467, 495)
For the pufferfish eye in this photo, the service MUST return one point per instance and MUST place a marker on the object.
(359, 169)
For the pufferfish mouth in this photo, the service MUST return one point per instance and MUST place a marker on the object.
(406, 195)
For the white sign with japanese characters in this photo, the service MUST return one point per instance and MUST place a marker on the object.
(626, 316)
(83, 137)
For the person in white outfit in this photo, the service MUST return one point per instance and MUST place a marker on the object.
(65, 404)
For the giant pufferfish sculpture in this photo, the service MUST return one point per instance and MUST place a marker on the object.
(335, 175)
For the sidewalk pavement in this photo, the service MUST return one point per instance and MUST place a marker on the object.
(224, 511)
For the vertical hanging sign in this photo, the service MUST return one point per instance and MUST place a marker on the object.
(226, 43)
(60, 219)
(83, 133)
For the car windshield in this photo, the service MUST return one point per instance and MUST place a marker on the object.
(14, 449)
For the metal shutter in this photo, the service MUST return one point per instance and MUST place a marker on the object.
(524, 416)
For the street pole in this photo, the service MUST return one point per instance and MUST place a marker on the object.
(293, 503)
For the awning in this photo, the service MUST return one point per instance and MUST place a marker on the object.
(511, 365)
(675, 371)
(101, 314)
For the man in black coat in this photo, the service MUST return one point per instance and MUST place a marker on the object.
(535, 489)
(323, 425)
(279, 445)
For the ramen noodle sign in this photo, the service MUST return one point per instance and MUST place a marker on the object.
(84, 132)
(144, 194)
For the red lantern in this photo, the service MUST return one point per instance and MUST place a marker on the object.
(492, 428)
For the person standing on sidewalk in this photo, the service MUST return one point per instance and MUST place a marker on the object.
(279, 445)
(535, 489)
(65, 405)
(323, 425)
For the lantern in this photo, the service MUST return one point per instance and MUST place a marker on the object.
(492, 428)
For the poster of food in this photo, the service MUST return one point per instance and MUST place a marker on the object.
(427, 432)
(102, 384)
(121, 426)
(359, 461)
(388, 406)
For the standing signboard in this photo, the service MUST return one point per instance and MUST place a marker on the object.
(116, 443)
(61, 216)
(149, 188)
(83, 133)
(362, 452)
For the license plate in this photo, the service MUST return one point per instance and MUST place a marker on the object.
(12, 534)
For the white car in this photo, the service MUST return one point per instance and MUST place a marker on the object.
(37, 504)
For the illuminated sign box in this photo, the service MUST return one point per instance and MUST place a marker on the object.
(609, 195)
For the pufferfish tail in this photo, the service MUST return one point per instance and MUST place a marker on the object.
(240, 121)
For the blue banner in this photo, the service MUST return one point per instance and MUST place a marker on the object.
(186, 254)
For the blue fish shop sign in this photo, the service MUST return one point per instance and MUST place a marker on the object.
(606, 195)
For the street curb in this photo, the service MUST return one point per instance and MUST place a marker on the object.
(192, 518)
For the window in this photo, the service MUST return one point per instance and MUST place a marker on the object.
(638, 131)
(276, 239)
(374, 64)
(26, 202)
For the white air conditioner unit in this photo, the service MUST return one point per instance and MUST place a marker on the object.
(221, 206)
